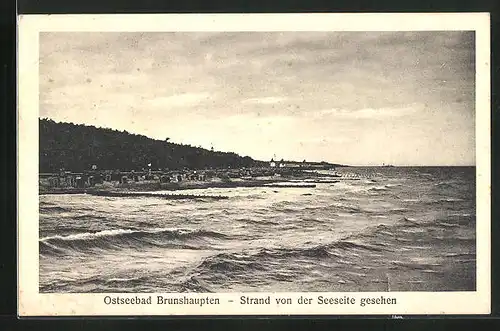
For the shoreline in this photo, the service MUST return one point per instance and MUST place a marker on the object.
(128, 189)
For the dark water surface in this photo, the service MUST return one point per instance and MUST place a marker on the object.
(397, 229)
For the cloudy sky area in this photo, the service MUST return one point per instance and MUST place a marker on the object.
(355, 98)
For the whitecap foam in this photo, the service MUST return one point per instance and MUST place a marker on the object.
(114, 232)
(90, 235)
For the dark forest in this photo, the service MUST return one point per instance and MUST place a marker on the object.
(76, 147)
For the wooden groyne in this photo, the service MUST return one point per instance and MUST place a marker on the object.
(312, 181)
(290, 185)
(63, 191)
(155, 195)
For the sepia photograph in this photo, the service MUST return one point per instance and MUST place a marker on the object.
(183, 162)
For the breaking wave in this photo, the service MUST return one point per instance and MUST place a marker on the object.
(121, 238)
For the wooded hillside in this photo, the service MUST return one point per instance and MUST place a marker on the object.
(77, 147)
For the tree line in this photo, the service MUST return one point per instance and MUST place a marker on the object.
(77, 147)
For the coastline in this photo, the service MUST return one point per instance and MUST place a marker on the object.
(295, 180)
(153, 186)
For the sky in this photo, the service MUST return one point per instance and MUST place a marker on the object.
(356, 98)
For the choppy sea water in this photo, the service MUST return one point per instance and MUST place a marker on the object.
(396, 229)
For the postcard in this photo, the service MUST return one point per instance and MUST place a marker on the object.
(254, 164)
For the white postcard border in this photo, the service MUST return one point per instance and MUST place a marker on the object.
(32, 303)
